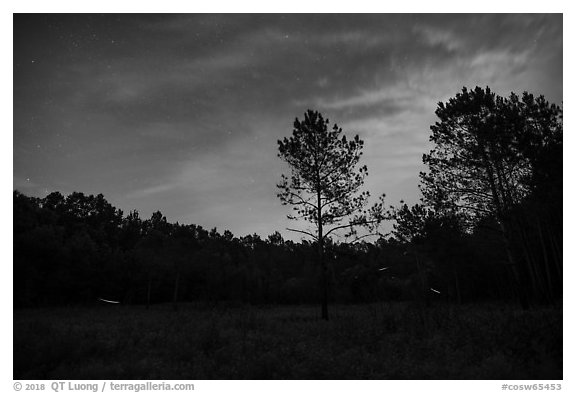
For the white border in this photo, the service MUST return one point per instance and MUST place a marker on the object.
(297, 6)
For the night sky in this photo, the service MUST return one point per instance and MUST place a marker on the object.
(182, 113)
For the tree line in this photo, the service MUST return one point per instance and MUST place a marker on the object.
(78, 248)
(488, 227)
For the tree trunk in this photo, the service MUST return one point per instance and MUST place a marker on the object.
(324, 273)
(175, 297)
(518, 282)
(557, 253)
(547, 271)
(148, 292)
(323, 268)
(457, 283)
(423, 281)
(498, 200)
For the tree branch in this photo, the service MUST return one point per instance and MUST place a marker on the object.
(351, 224)
(304, 232)
(301, 201)
(357, 238)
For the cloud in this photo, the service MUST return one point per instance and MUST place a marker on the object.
(436, 36)
(363, 98)
(154, 190)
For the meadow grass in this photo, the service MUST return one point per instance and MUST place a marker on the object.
(374, 341)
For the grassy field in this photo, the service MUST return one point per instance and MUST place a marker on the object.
(376, 341)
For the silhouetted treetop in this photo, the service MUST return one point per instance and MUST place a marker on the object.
(487, 150)
(324, 185)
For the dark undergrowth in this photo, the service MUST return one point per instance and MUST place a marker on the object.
(376, 341)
